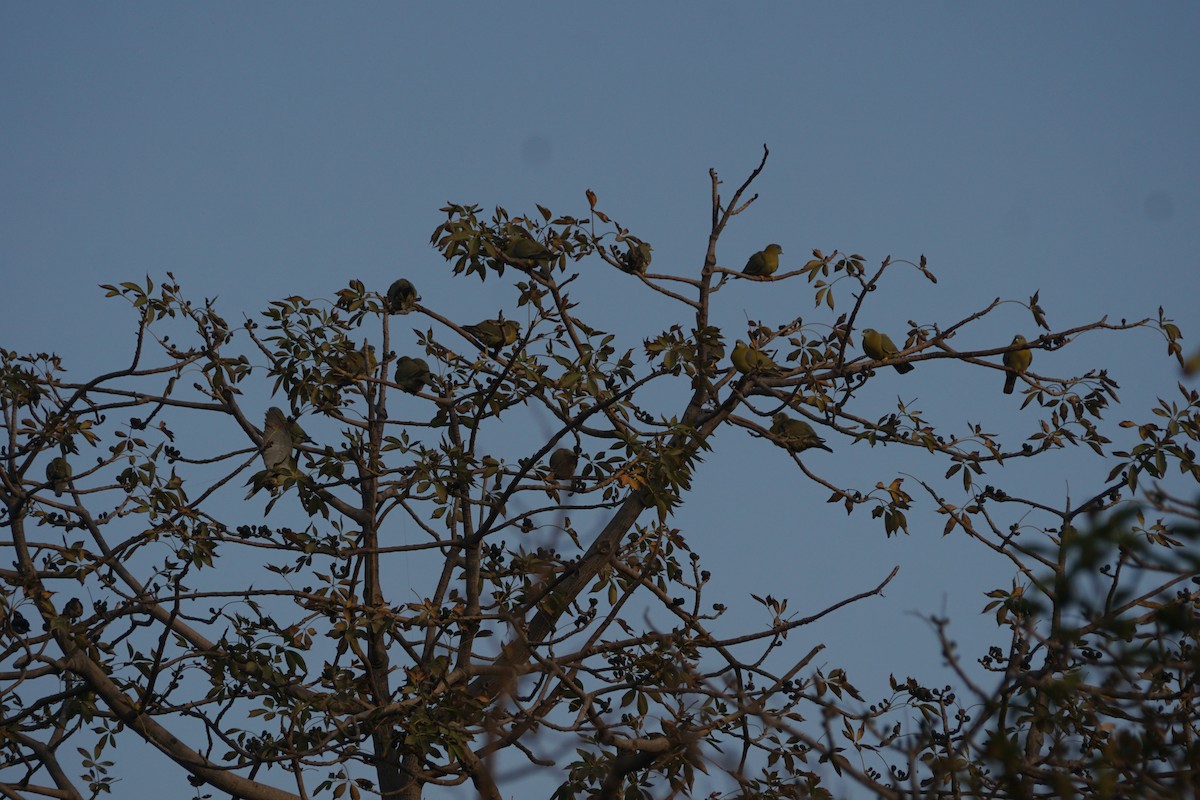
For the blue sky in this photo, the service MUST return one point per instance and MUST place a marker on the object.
(270, 149)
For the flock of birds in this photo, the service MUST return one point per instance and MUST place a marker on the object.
(282, 435)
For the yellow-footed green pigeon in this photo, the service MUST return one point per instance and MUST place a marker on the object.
(563, 463)
(495, 333)
(402, 296)
(1018, 361)
(58, 472)
(795, 434)
(880, 347)
(747, 359)
(764, 262)
(412, 374)
(637, 258)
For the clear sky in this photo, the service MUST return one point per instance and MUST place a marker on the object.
(261, 150)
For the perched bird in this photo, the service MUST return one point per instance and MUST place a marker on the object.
(495, 333)
(401, 296)
(523, 248)
(880, 347)
(349, 367)
(412, 374)
(1039, 313)
(278, 441)
(764, 262)
(796, 434)
(58, 472)
(563, 463)
(18, 624)
(73, 609)
(747, 359)
(637, 258)
(1018, 361)
(280, 436)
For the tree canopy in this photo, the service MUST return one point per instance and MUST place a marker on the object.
(556, 620)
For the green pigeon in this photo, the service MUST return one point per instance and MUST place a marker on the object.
(412, 374)
(522, 248)
(796, 434)
(349, 368)
(495, 333)
(278, 441)
(747, 359)
(764, 262)
(73, 609)
(58, 472)
(563, 463)
(637, 258)
(1018, 361)
(401, 296)
(880, 347)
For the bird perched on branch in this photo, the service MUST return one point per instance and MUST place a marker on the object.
(494, 334)
(401, 296)
(522, 248)
(563, 463)
(637, 259)
(880, 347)
(73, 610)
(764, 262)
(349, 367)
(412, 374)
(1018, 361)
(747, 359)
(279, 439)
(796, 434)
(58, 472)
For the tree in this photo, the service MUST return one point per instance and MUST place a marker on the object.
(593, 660)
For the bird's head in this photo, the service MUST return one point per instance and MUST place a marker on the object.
(773, 248)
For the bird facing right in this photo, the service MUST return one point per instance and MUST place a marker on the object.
(880, 347)
(763, 263)
(796, 434)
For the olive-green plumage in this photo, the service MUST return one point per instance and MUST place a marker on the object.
(412, 374)
(73, 609)
(563, 463)
(495, 333)
(747, 359)
(880, 347)
(764, 262)
(523, 248)
(638, 257)
(402, 297)
(349, 368)
(58, 472)
(796, 434)
(1018, 361)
